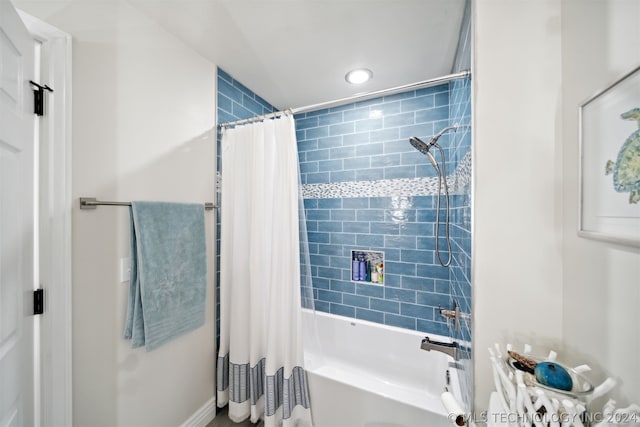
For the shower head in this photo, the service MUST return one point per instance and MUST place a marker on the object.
(420, 145)
(423, 147)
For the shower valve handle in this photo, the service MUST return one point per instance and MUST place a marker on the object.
(454, 314)
(451, 314)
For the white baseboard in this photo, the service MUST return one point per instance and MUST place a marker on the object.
(203, 416)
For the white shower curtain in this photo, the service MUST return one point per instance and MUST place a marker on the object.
(260, 359)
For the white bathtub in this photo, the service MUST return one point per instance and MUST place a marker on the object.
(362, 374)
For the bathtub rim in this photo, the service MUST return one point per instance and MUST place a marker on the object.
(352, 320)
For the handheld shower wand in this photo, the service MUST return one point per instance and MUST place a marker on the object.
(424, 148)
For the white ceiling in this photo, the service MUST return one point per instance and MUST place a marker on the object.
(296, 52)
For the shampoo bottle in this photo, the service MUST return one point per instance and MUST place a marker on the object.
(355, 267)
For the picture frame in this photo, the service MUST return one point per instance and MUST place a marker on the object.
(609, 166)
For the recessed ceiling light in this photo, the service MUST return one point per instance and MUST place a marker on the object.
(358, 76)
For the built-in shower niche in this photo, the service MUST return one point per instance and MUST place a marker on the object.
(367, 267)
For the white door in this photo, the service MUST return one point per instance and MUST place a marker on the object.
(16, 221)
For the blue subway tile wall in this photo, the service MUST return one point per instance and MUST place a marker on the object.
(460, 270)
(368, 143)
(460, 148)
(234, 102)
(460, 274)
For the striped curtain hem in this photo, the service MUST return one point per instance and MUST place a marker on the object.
(245, 382)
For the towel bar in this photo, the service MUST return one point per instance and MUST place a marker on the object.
(92, 203)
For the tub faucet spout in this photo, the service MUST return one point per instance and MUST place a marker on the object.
(448, 348)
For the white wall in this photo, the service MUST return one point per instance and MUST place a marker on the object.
(535, 280)
(517, 265)
(601, 315)
(143, 111)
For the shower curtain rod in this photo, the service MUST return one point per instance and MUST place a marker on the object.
(360, 96)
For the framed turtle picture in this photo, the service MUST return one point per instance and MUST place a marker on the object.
(610, 163)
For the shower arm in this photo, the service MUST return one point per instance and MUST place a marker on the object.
(453, 127)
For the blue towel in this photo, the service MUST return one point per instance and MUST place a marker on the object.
(168, 272)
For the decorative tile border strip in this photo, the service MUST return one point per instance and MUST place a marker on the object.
(457, 181)
(462, 175)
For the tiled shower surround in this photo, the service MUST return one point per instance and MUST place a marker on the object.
(367, 188)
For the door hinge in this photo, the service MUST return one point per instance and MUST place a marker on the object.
(38, 97)
(38, 301)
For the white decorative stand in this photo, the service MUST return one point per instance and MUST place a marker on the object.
(526, 403)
